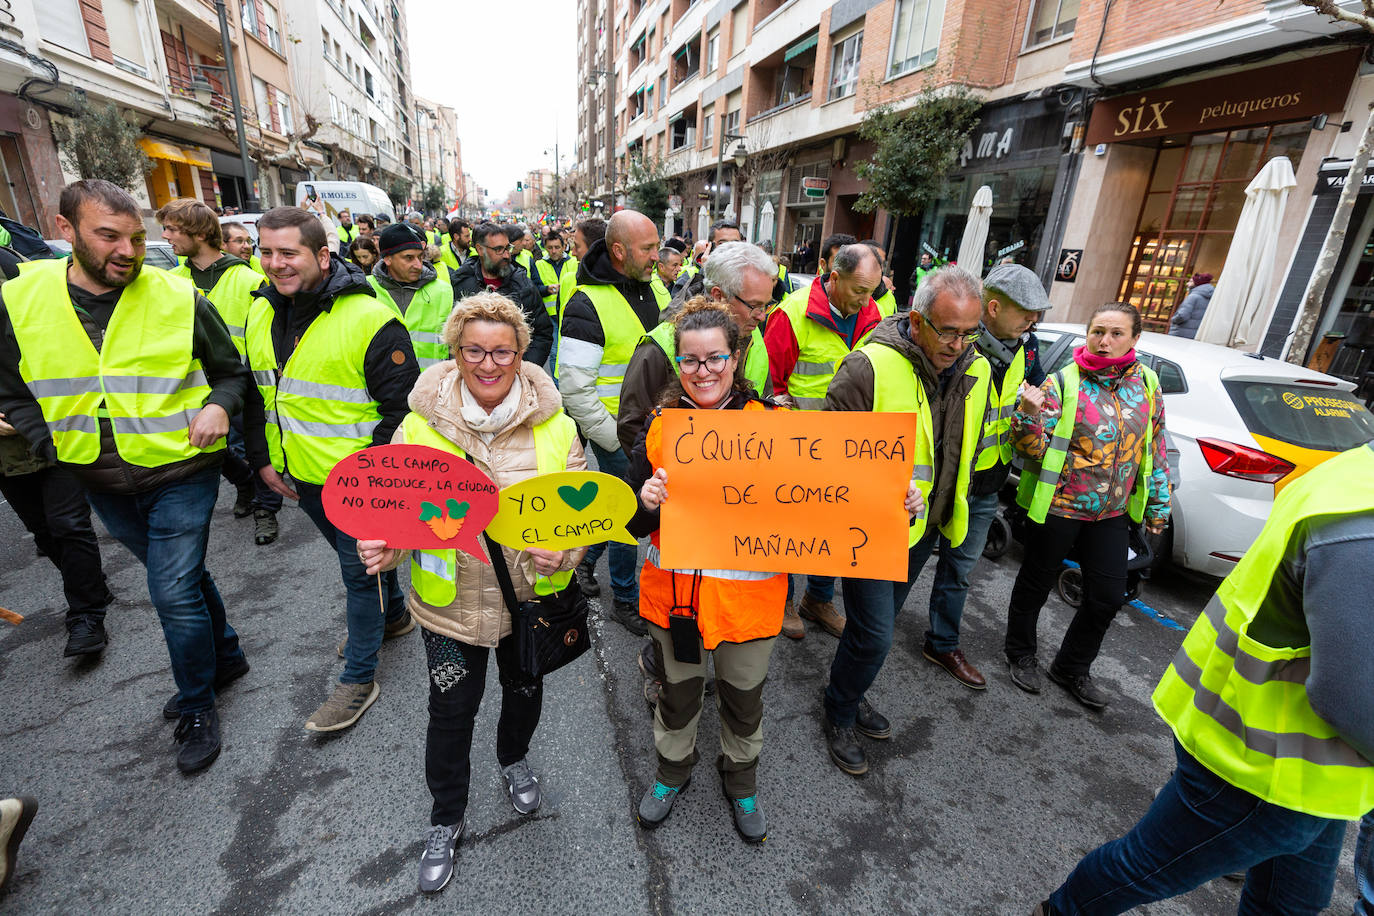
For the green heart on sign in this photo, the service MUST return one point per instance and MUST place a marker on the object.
(457, 509)
(579, 498)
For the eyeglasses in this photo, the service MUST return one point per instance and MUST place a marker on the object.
(714, 364)
(473, 356)
(751, 306)
(495, 249)
(949, 337)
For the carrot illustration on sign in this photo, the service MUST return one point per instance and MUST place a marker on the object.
(445, 523)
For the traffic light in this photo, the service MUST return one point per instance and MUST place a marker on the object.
(519, 186)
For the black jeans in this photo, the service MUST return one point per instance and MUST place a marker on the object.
(238, 472)
(1101, 554)
(52, 505)
(457, 679)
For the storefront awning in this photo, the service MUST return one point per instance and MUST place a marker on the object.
(196, 156)
(801, 47)
(158, 149)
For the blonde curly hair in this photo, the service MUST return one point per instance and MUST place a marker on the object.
(485, 306)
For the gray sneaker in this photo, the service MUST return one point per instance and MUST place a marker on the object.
(436, 865)
(523, 787)
(1025, 673)
(749, 819)
(657, 803)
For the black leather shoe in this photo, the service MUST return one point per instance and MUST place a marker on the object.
(1081, 688)
(243, 504)
(872, 724)
(586, 580)
(85, 636)
(198, 735)
(627, 615)
(845, 749)
(225, 675)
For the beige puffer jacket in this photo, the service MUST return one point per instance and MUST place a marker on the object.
(477, 615)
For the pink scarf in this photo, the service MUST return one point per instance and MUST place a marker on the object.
(1094, 363)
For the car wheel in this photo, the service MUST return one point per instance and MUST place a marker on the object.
(999, 537)
(1071, 586)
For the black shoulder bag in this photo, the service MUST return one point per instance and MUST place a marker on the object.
(550, 630)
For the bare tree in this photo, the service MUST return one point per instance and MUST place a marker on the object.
(1310, 310)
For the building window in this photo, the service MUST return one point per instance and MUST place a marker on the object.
(713, 51)
(915, 35)
(1051, 19)
(124, 26)
(284, 111)
(263, 106)
(687, 60)
(731, 125)
(367, 83)
(708, 120)
(272, 26)
(248, 15)
(844, 66)
(60, 22)
(684, 130)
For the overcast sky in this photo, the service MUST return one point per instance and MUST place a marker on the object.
(509, 68)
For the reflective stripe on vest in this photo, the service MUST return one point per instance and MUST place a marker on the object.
(819, 351)
(434, 573)
(1040, 480)
(144, 378)
(550, 276)
(424, 318)
(996, 445)
(318, 408)
(896, 389)
(231, 296)
(623, 332)
(734, 575)
(755, 358)
(1240, 706)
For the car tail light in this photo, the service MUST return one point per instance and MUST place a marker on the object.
(1243, 462)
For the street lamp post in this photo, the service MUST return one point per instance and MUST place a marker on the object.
(610, 131)
(250, 199)
(739, 157)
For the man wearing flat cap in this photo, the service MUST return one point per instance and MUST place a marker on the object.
(414, 289)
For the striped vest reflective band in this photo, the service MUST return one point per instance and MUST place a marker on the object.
(231, 296)
(755, 358)
(424, 318)
(819, 351)
(434, 573)
(996, 445)
(1240, 706)
(318, 407)
(1039, 480)
(623, 332)
(548, 275)
(897, 390)
(144, 378)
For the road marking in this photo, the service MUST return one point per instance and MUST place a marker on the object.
(1158, 617)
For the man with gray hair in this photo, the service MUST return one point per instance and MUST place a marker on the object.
(807, 336)
(920, 363)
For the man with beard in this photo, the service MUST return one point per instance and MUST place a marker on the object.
(456, 252)
(347, 231)
(128, 378)
(334, 368)
(492, 269)
(193, 231)
(614, 307)
(414, 290)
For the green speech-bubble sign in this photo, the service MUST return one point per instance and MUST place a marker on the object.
(563, 510)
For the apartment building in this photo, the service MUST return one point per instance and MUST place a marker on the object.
(353, 76)
(438, 149)
(1092, 190)
(162, 64)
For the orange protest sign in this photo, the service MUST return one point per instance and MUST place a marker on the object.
(787, 491)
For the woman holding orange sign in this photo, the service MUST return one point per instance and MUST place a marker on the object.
(734, 615)
(506, 416)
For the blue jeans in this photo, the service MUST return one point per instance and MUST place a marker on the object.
(820, 588)
(624, 560)
(950, 588)
(551, 367)
(365, 615)
(1364, 867)
(168, 530)
(1198, 828)
(871, 607)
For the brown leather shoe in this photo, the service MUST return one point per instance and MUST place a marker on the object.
(823, 613)
(792, 626)
(957, 666)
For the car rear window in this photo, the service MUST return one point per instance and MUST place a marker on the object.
(1316, 418)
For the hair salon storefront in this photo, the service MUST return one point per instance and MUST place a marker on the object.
(1165, 171)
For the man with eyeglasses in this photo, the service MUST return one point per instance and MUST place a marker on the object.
(237, 242)
(807, 335)
(614, 306)
(493, 270)
(923, 363)
(334, 368)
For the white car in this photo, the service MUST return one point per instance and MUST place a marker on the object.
(1243, 427)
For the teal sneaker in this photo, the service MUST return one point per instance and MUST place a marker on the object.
(657, 803)
(749, 820)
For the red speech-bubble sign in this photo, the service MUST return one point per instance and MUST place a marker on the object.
(412, 497)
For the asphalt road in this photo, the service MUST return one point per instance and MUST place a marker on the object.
(980, 803)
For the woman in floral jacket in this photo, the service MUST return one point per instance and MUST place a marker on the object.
(1084, 484)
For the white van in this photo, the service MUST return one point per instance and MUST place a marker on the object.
(354, 196)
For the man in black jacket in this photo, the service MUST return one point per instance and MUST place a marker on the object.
(492, 270)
